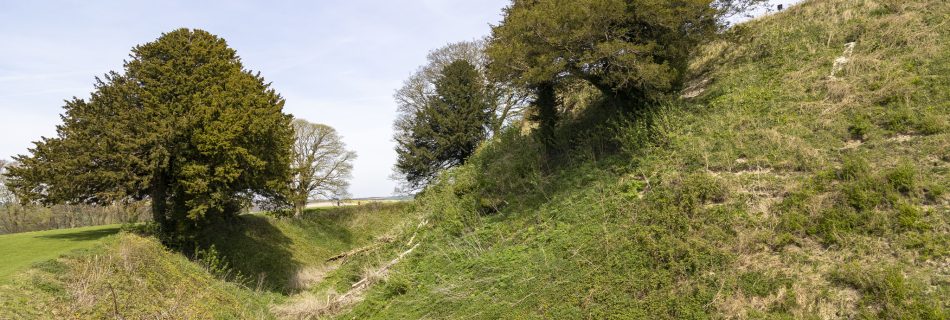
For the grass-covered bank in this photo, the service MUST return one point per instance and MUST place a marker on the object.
(257, 260)
(130, 277)
(781, 185)
(273, 251)
(803, 173)
(20, 250)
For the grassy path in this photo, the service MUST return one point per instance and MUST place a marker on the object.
(20, 250)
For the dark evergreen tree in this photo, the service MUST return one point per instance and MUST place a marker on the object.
(184, 126)
(631, 50)
(449, 129)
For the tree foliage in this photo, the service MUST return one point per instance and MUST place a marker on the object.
(633, 51)
(418, 91)
(622, 47)
(6, 195)
(184, 126)
(446, 131)
(321, 164)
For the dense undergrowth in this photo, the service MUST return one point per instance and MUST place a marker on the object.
(781, 185)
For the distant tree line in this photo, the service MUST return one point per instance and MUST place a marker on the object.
(24, 218)
(16, 217)
(633, 52)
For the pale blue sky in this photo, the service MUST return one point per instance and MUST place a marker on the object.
(336, 62)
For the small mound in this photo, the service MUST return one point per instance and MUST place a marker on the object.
(128, 277)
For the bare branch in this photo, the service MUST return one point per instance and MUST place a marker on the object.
(321, 164)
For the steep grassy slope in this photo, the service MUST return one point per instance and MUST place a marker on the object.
(781, 185)
(21, 250)
(275, 251)
(255, 260)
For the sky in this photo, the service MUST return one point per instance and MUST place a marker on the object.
(335, 62)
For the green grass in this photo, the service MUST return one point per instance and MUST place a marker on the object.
(276, 249)
(778, 192)
(756, 199)
(126, 277)
(254, 264)
(21, 250)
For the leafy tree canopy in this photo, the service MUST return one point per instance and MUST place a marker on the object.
(446, 131)
(321, 164)
(184, 126)
(418, 91)
(630, 48)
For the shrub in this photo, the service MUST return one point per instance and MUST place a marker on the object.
(854, 168)
(909, 217)
(930, 124)
(217, 266)
(902, 178)
(899, 119)
(863, 195)
(700, 188)
(860, 127)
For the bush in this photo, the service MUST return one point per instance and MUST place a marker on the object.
(909, 217)
(902, 178)
(700, 188)
(930, 124)
(861, 203)
(854, 168)
(217, 266)
(860, 127)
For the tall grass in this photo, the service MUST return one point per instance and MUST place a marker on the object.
(752, 196)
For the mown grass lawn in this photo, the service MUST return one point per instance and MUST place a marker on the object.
(20, 250)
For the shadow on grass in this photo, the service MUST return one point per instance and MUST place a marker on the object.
(257, 249)
(329, 223)
(88, 235)
(262, 248)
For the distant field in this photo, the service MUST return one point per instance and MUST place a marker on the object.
(330, 203)
(19, 251)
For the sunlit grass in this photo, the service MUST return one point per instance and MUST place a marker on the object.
(18, 251)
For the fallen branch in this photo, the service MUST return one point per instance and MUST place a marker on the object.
(360, 250)
(352, 253)
(365, 282)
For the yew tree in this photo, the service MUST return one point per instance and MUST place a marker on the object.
(184, 126)
(506, 99)
(633, 51)
(448, 128)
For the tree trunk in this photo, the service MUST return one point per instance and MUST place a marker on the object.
(299, 205)
(547, 116)
(159, 195)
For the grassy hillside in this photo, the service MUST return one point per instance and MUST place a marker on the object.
(254, 263)
(21, 250)
(780, 186)
(128, 277)
(804, 173)
(275, 251)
